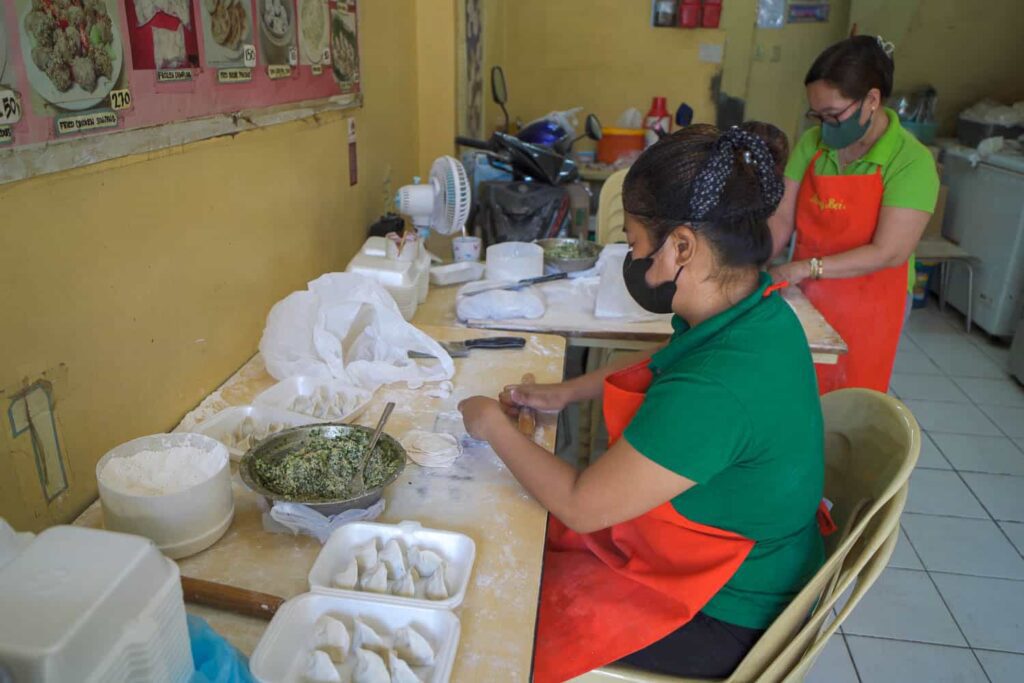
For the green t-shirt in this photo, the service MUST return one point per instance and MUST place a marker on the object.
(909, 177)
(734, 407)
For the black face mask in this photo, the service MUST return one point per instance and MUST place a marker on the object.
(657, 299)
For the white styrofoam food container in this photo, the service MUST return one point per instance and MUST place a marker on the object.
(283, 395)
(281, 654)
(223, 425)
(386, 271)
(180, 523)
(456, 273)
(458, 551)
(92, 606)
(375, 246)
(514, 261)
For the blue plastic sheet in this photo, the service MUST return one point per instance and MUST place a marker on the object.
(216, 660)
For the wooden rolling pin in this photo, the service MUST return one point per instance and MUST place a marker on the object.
(231, 599)
(528, 416)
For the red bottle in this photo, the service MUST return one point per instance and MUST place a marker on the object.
(657, 120)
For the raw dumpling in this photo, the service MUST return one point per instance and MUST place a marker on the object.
(393, 559)
(370, 668)
(426, 562)
(346, 578)
(366, 556)
(375, 580)
(413, 648)
(436, 588)
(319, 669)
(332, 638)
(405, 587)
(400, 671)
(364, 637)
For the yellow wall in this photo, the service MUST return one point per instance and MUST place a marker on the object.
(140, 285)
(435, 79)
(966, 50)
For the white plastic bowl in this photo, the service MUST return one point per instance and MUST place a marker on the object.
(514, 261)
(180, 523)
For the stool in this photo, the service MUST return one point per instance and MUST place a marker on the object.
(945, 252)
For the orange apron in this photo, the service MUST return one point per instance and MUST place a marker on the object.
(610, 593)
(835, 214)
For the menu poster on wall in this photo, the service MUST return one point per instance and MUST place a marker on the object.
(162, 34)
(345, 45)
(227, 30)
(314, 37)
(72, 52)
(277, 29)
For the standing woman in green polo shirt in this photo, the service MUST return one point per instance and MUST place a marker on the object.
(859, 192)
(679, 546)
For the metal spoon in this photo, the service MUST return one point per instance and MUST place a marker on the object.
(358, 479)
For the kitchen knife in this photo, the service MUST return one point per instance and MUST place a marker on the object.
(514, 286)
(460, 349)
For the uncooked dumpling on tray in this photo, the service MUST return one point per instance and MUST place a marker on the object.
(400, 671)
(320, 669)
(413, 648)
(370, 668)
(347, 577)
(332, 638)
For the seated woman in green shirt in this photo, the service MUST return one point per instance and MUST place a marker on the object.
(678, 547)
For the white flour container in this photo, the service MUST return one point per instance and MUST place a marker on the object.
(513, 261)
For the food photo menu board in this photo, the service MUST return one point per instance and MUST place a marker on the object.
(70, 68)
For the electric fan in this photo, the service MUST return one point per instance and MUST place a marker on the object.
(442, 204)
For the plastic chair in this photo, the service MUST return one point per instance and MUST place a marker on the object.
(611, 217)
(871, 446)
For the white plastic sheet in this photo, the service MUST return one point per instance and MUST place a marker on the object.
(498, 304)
(297, 519)
(613, 299)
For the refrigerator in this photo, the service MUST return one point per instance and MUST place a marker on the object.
(985, 216)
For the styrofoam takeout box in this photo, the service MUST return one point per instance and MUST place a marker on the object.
(388, 272)
(222, 425)
(285, 646)
(456, 273)
(284, 393)
(458, 551)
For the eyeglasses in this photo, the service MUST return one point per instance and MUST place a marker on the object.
(832, 119)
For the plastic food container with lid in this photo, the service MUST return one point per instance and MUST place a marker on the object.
(514, 261)
(180, 523)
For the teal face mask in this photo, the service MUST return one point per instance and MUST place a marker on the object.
(844, 133)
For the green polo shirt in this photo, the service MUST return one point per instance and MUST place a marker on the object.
(734, 407)
(909, 177)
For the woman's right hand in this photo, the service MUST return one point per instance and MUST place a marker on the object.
(546, 398)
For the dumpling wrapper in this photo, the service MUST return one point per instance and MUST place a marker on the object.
(332, 638)
(365, 638)
(375, 580)
(320, 669)
(393, 559)
(370, 668)
(347, 577)
(413, 648)
(400, 671)
(436, 588)
(366, 556)
(404, 587)
(426, 562)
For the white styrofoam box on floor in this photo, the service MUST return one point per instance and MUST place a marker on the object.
(94, 606)
(281, 654)
(388, 272)
(457, 550)
(283, 395)
(223, 425)
(456, 273)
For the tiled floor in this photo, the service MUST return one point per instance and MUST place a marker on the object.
(950, 607)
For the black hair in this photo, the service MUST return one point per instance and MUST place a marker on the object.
(854, 66)
(724, 185)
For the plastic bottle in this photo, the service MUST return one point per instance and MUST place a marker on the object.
(657, 120)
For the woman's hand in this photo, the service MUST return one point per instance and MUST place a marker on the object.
(547, 398)
(479, 414)
(793, 272)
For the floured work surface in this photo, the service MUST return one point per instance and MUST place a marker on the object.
(476, 496)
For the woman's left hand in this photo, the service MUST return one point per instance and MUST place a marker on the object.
(793, 272)
(479, 413)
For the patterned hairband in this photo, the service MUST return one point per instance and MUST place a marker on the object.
(710, 182)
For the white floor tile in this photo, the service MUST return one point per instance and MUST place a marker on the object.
(1001, 667)
(1020, 443)
(926, 322)
(963, 546)
(992, 392)
(1010, 420)
(930, 457)
(935, 492)
(1000, 355)
(1015, 530)
(893, 661)
(969, 363)
(907, 344)
(990, 454)
(904, 557)
(1002, 495)
(903, 604)
(915, 362)
(930, 387)
(990, 611)
(955, 418)
(833, 664)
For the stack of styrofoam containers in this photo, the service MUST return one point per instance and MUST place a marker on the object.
(400, 278)
(92, 606)
(288, 641)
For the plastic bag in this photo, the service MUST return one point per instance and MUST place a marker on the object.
(302, 519)
(215, 659)
(347, 326)
(500, 304)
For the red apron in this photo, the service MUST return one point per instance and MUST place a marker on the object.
(835, 214)
(608, 594)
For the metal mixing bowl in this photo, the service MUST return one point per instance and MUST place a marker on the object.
(286, 441)
(589, 251)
